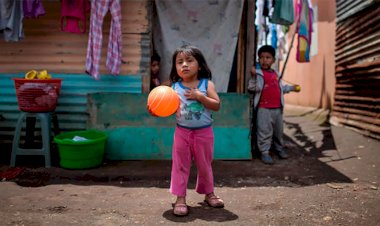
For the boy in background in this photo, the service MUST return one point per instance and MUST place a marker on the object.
(268, 104)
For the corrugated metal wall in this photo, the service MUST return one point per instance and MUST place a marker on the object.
(45, 46)
(71, 110)
(64, 55)
(357, 96)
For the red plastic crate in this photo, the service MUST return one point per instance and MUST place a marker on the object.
(37, 95)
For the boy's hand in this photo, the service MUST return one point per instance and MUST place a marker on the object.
(253, 71)
(297, 88)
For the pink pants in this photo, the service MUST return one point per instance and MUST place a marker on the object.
(188, 145)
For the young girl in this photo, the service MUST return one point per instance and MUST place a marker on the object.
(193, 137)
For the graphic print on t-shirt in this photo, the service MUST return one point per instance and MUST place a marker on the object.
(193, 111)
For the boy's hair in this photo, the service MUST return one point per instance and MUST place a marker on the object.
(155, 57)
(197, 54)
(267, 49)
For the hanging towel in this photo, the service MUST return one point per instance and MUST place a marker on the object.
(304, 29)
(11, 16)
(33, 8)
(283, 12)
(73, 15)
(99, 9)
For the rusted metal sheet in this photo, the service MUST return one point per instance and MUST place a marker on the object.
(348, 8)
(357, 55)
(45, 46)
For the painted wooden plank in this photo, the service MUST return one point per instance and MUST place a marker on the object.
(129, 109)
(155, 143)
(135, 134)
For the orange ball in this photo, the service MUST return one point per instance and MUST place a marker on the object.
(163, 101)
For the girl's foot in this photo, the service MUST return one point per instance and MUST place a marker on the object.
(180, 208)
(214, 201)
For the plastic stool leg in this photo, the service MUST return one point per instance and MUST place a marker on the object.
(56, 129)
(45, 133)
(16, 138)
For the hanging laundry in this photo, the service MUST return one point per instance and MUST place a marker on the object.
(261, 22)
(99, 9)
(11, 16)
(73, 15)
(33, 8)
(273, 35)
(282, 41)
(282, 12)
(304, 29)
(266, 8)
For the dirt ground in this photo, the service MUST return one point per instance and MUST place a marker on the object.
(331, 178)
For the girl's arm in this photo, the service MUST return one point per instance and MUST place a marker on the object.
(211, 101)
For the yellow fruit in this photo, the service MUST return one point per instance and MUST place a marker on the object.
(31, 74)
(43, 75)
(43, 72)
(39, 76)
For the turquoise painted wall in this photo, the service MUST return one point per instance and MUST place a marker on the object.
(134, 134)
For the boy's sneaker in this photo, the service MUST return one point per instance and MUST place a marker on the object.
(265, 158)
(282, 154)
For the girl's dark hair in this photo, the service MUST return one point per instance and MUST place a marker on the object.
(197, 54)
(267, 49)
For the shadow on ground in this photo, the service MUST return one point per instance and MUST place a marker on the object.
(202, 212)
(303, 168)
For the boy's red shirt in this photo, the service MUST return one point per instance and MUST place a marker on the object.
(270, 96)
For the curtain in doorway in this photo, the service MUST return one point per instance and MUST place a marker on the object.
(211, 25)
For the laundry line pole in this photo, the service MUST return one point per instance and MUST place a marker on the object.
(287, 56)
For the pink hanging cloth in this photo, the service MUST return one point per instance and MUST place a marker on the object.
(33, 8)
(73, 15)
(99, 9)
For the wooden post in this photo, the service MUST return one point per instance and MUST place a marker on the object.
(250, 52)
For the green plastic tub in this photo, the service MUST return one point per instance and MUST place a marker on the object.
(81, 149)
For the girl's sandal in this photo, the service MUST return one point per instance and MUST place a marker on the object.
(180, 209)
(214, 201)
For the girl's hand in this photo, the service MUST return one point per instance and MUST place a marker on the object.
(193, 93)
